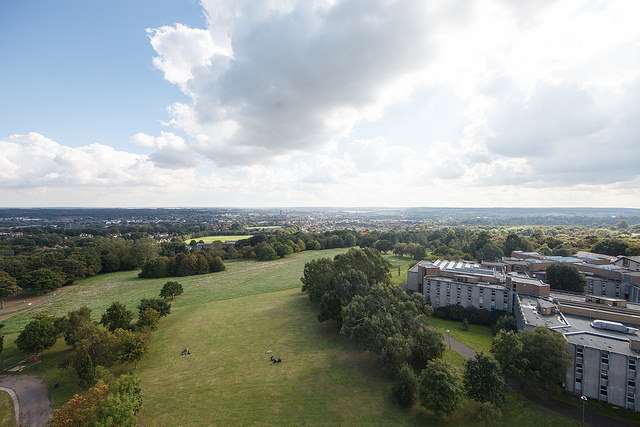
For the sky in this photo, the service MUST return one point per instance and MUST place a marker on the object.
(253, 103)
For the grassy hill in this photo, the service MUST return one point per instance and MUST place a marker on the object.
(229, 321)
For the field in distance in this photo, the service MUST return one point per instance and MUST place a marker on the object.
(211, 239)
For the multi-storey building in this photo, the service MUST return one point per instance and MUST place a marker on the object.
(600, 331)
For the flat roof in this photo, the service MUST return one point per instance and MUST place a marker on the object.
(529, 306)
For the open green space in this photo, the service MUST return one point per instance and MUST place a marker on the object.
(7, 415)
(478, 337)
(229, 321)
(211, 239)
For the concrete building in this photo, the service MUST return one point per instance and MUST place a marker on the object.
(604, 357)
(601, 331)
(629, 262)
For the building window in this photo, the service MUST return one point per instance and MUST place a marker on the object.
(603, 390)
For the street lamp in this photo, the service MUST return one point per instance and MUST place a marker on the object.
(448, 338)
(584, 401)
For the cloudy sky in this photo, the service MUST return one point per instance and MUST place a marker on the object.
(320, 103)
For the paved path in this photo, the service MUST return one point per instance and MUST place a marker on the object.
(563, 408)
(32, 399)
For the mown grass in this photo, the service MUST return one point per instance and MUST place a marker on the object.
(478, 337)
(7, 415)
(229, 321)
(211, 239)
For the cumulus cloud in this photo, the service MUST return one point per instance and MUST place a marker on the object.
(169, 150)
(33, 160)
(299, 75)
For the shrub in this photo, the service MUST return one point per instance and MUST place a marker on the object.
(84, 367)
(122, 404)
(117, 316)
(148, 319)
(171, 290)
(405, 390)
(81, 409)
(158, 304)
(440, 388)
(265, 252)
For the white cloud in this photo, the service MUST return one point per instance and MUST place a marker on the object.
(170, 150)
(33, 160)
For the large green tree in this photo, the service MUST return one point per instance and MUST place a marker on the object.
(38, 335)
(8, 287)
(483, 380)
(405, 390)
(565, 277)
(117, 316)
(440, 388)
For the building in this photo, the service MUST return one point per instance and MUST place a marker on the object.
(601, 331)
(629, 262)
(604, 353)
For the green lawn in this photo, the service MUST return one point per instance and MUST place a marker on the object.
(477, 337)
(229, 320)
(399, 267)
(210, 239)
(7, 416)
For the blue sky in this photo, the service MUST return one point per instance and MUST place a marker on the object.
(81, 71)
(319, 103)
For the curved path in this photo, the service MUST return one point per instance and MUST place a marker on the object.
(33, 407)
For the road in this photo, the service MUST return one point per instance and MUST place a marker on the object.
(33, 399)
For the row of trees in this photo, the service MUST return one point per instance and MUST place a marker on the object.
(533, 359)
(116, 338)
(183, 264)
(43, 271)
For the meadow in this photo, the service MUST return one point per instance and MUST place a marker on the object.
(232, 322)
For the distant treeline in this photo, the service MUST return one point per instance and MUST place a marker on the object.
(41, 262)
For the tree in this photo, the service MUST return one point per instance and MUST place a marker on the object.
(130, 346)
(38, 335)
(383, 245)
(440, 389)
(483, 380)
(405, 390)
(427, 344)
(216, 264)
(513, 242)
(158, 304)
(84, 367)
(81, 409)
(154, 268)
(41, 281)
(8, 287)
(507, 350)
(612, 247)
(489, 252)
(70, 324)
(117, 316)
(265, 252)
(316, 277)
(545, 356)
(122, 404)
(148, 319)
(505, 323)
(565, 277)
(419, 253)
(171, 290)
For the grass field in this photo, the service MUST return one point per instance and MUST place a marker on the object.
(210, 239)
(478, 337)
(229, 320)
(7, 416)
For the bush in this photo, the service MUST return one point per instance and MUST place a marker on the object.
(265, 252)
(122, 404)
(85, 368)
(405, 390)
(473, 315)
(148, 319)
(130, 346)
(171, 290)
(117, 316)
(38, 335)
(81, 409)
(158, 304)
